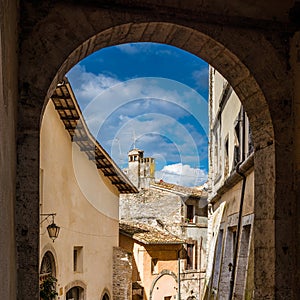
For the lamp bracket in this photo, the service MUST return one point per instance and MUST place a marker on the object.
(47, 216)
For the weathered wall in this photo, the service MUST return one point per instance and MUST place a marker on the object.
(159, 206)
(8, 109)
(122, 272)
(295, 63)
(86, 209)
(225, 115)
(151, 205)
(233, 196)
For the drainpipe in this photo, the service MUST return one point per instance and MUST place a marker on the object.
(237, 238)
(178, 255)
(239, 225)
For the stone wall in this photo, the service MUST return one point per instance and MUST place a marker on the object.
(192, 284)
(122, 272)
(8, 109)
(153, 207)
(249, 45)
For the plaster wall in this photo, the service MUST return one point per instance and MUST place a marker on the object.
(166, 286)
(233, 196)
(8, 110)
(225, 118)
(225, 193)
(86, 208)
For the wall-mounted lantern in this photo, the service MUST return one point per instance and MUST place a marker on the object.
(53, 229)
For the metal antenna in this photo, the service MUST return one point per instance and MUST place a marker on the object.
(134, 138)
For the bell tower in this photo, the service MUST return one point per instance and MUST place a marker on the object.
(141, 170)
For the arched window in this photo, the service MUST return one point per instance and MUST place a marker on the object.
(47, 266)
(105, 297)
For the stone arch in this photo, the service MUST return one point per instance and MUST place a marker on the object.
(105, 295)
(48, 265)
(49, 248)
(77, 284)
(159, 276)
(252, 61)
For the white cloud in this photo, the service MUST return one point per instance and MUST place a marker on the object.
(182, 175)
(104, 93)
(125, 109)
(134, 48)
(87, 85)
(153, 132)
(128, 48)
(201, 78)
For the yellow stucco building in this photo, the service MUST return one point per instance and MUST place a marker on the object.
(81, 184)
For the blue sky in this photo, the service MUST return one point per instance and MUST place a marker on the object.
(150, 96)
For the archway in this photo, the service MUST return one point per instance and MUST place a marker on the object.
(76, 290)
(105, 297)
(48, 267)
(230, 50)
(75, 293)
(164, 286)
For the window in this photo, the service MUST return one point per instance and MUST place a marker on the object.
(47, 266)
(218, 258)
(105, 297)
(227, 262)
(77, 259)
(250, 142)
(216, 159)
(242, 262)
(190, 213)
(168, 298)
(237, 148)
(190, 257)
(226, 157)
(154, 267)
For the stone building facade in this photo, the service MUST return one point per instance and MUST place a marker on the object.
(254, 45)
(179, 210)
(155, 254)
(231, 195)
(141, 170)
(85, 202)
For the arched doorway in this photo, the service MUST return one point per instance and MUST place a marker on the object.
(230, 50)
(75, 293)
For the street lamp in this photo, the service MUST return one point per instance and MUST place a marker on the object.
(53, 229)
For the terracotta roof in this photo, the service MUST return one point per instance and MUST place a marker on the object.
(188, 191)
(147, 234)
(68, 109)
